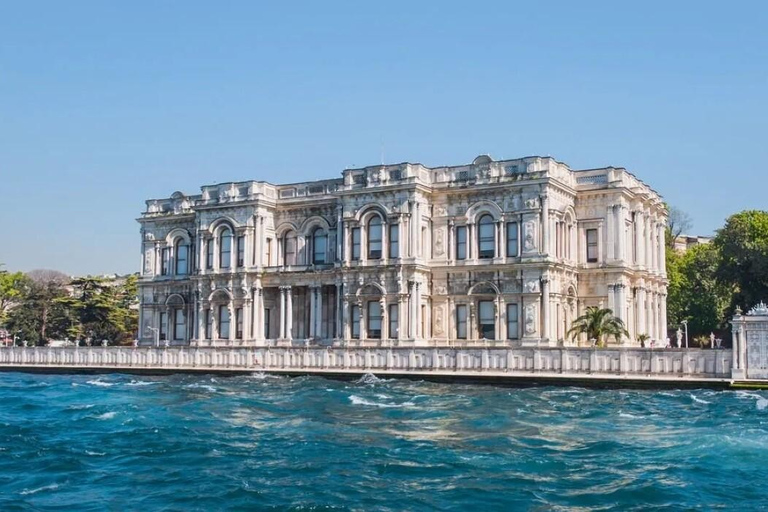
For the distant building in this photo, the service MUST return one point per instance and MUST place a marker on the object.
(509, 251)
(685, 242)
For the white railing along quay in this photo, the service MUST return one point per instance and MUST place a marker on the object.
(571, 361)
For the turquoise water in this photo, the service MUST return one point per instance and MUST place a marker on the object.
(119, 442)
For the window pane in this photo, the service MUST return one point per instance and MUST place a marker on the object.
(165, 256)
(591, 245)
(512, 325)
(393, 321)
(355, 243)
(461, 321)
(355, 312)
(394, 241)
(240, 251)
(486, 237)
(374, 319)
(181, 259)
(374, 238)
(290, 249)
(223, 322)
(209, 254)
(208, 323)
(163, 325)
(487, 320)
(512, 234)
(318, 245)
(178, 324)
(461, 243)
(239, 323)
(225, 249)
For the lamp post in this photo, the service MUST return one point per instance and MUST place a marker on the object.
(685, 324)
(157, 335)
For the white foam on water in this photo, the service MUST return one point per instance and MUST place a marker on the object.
(698, 400)
(106, 416)
(201, 386)
(95, 454)
(100, 383)
(356, 400)
(140, 383)
(80, 407)
(761, 404)
(627, 415)
(51, 487)
(369, 378)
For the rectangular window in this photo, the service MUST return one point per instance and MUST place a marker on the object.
(178, 324)
(209, 254)
(166, 254)
(487, 321)
(592, 245)
(461, 321)
(355, 243)
(423, 321)
(225, 250)
(319, 243)
(374, 320)
(181, 259)
(223, 322)
(394, 241)
(512, 325)
(239, 323)
(208, 323)
(512, 237)
(163, 325)
(269, 251)
(393, 321)
(374, 239)
(266, 323)
(241, 251)
(486, 239)
(461, 242)
(355, 312)
(290, 250)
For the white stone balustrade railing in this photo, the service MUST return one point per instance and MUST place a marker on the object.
(574, 361)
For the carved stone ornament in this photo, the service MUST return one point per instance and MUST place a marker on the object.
(759, 310)
(532, 286)
(148, 261)
(530, 319)
(439, 330)
(439, 242)
(529, 235)
(532, 203)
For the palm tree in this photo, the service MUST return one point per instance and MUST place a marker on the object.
(642, 338)
(598, 323)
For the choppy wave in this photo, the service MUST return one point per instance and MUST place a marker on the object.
(263, 442)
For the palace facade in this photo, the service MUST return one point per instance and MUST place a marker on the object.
(500, 252)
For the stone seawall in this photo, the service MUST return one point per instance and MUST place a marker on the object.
(567, 364)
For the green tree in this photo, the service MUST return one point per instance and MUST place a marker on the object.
(39, 316)
(13, 287)
(598, 324)
(743, 266)
(694, 292)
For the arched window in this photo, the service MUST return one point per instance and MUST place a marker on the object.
(182, 252)
(289, 248)
(486, 237)
(374, 238)
(225, 248)
(319, 242)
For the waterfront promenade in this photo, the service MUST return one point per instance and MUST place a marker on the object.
(502, 365)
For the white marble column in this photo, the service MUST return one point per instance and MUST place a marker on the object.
(642, 328)
(545, 241)
(638, 240)
(545, 309)
(319, 306)
(347, 243)
(289, 312)
(339, 233)
(312, 312)
(232, 321)
(663, 320)
(339, 313)
(402, 317)
(281, 333)
(610, 230)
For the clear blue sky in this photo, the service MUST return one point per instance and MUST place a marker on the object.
(106, 104)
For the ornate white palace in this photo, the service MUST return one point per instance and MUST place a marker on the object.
(508, 252)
